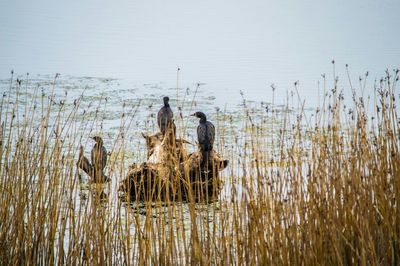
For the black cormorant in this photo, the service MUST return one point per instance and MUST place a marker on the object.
(99, 157)
(165, 117)
(205, 132)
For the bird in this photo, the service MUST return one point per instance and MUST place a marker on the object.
(205, 133)
(165, 118)
(99, 158)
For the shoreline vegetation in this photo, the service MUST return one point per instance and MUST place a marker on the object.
(314, 187)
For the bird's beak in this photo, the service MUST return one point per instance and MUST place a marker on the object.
(193, 115)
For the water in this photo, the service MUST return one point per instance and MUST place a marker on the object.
(228, 46)
(120, 110)
(124, 57)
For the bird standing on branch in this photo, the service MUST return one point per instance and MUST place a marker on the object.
(99, 159)
(165, 118)
(205, 135)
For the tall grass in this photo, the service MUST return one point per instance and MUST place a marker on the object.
(306, 188)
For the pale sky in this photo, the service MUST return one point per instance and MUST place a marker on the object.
(230, 45)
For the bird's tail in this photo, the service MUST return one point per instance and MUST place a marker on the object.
(206, 161)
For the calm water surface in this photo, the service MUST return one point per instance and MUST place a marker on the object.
(227, 46)
(123, 58)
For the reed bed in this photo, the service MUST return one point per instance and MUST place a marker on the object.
(302, 187)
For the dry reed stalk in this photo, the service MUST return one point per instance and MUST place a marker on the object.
(302, 194)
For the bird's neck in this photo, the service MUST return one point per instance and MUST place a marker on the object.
(203, 120)
(166, 104)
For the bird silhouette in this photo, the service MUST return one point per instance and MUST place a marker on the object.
(205, 132)
(165, 118)
(205, 137)
(99, 158)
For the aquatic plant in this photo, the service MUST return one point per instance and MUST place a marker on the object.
(304, 187)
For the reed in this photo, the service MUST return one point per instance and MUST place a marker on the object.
(304, 187)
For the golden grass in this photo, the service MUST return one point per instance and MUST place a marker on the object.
(315, 193)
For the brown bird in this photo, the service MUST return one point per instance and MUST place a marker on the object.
(99, 158)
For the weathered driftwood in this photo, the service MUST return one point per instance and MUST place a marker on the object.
(84, 164)
(158, 147)
(171, 174)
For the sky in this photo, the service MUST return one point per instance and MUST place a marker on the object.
(228, 45)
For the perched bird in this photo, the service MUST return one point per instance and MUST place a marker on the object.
(165, 117)
(205, 133)
(99, 158)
